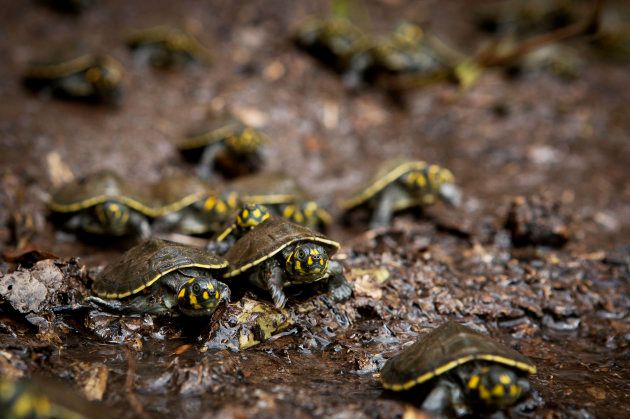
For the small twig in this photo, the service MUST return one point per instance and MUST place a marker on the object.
(489, 58)
(133, 400)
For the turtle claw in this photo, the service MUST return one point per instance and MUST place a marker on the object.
(278, 297)
(339, 289)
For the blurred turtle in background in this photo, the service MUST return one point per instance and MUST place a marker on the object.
(459, 370)
(88, 77)
(246, 219)
(38, 398)
(163, 46)
(401, 184)
(187, 205)
(225, 145)
(103, 204)
(278, 253)
(282, 196)
(159, 276)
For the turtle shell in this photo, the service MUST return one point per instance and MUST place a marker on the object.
(142, 265)
(443, 349)
(97, 188)
(58, 69)
(176, 192)
(217, 130)
(172, 38)
(268, 239)
(274, 188)
(387, 173)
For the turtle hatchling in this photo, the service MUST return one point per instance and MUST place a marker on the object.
(401, 184)
(461, 370)
(278, 253)
(158, 276)
(226, 145)
(247, 218)
(103, 204)
(163, 46)
(89, 77)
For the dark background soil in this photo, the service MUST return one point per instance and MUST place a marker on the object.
(568, 140)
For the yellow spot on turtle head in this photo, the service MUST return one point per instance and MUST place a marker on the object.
(210, 203)
(191, 280)
(298, 265)
(298, 217)
(245, 213)
(182, 293)
(206, 295)
(309, 261)
(22, 406)
(192, 299)
(321, 261)
(93, 75)
(505, 379)
(232, 200)
(221, 207)
(421, 181)
(514, 390)
(314, 251)
(473, 382)
(210, 286)
(288, 211)
(498, 391)
(484, 394)
(257, 213)
(42, 406)
(7, 390)
(216, 295)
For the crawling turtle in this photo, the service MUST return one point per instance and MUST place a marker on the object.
(463, 369)
(39, 398)
(103, 204)
(408, 51)
(246, 219)
(400, 184)
(163, 46)
(279, 253)
(90, 77)
(188, 205)
(157, 275)
(227, 145)
(283, 197)
(337, 43)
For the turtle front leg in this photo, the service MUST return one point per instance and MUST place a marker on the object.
(139, 226)
(384, 210)
(74, 86)
(443, 396)
(270, 277)
(205, 170)
(338, 286)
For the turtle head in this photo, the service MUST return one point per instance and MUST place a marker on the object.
(247, 143)
(496, 386)
(201, 295)
(408, 34)
(433, 180)
(307, 213)
(308, 260)
(220, 207)
(113, 216)
(250, 216)
(105, 76)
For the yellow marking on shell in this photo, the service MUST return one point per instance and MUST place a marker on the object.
(450, 365)
(473, 382)
(181, 294)
(206, 295)
(514, 390)
(258, 261)
(93, 75)
(498, 391)
(484, 393)
(22, 406)
(42, 405)
(505, 379)
(117, 295)
(381, 182)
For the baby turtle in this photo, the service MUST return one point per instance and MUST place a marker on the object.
(407, 51)
(40, 398)
(400, 184)
(463, 368)
(190, 206)
(337, 43)
(89, 77)
(283, 197)
(226, 145)
(279, 253)
(247, 218)
(163, 46)
(102, 204)
(157, 275)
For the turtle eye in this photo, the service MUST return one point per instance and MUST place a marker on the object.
(301, 254)
(196, 288)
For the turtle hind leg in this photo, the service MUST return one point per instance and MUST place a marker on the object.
(384, 209)
(139, 226)
(338, 287)
(205, 168)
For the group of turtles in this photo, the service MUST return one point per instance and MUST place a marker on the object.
(264, 227)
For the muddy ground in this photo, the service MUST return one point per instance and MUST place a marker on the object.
(565, 308)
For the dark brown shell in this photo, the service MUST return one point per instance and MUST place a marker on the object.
(267, 189)
(97, 188)
(443, 349)
(142, 265)
(269, 238)
(176, 192)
